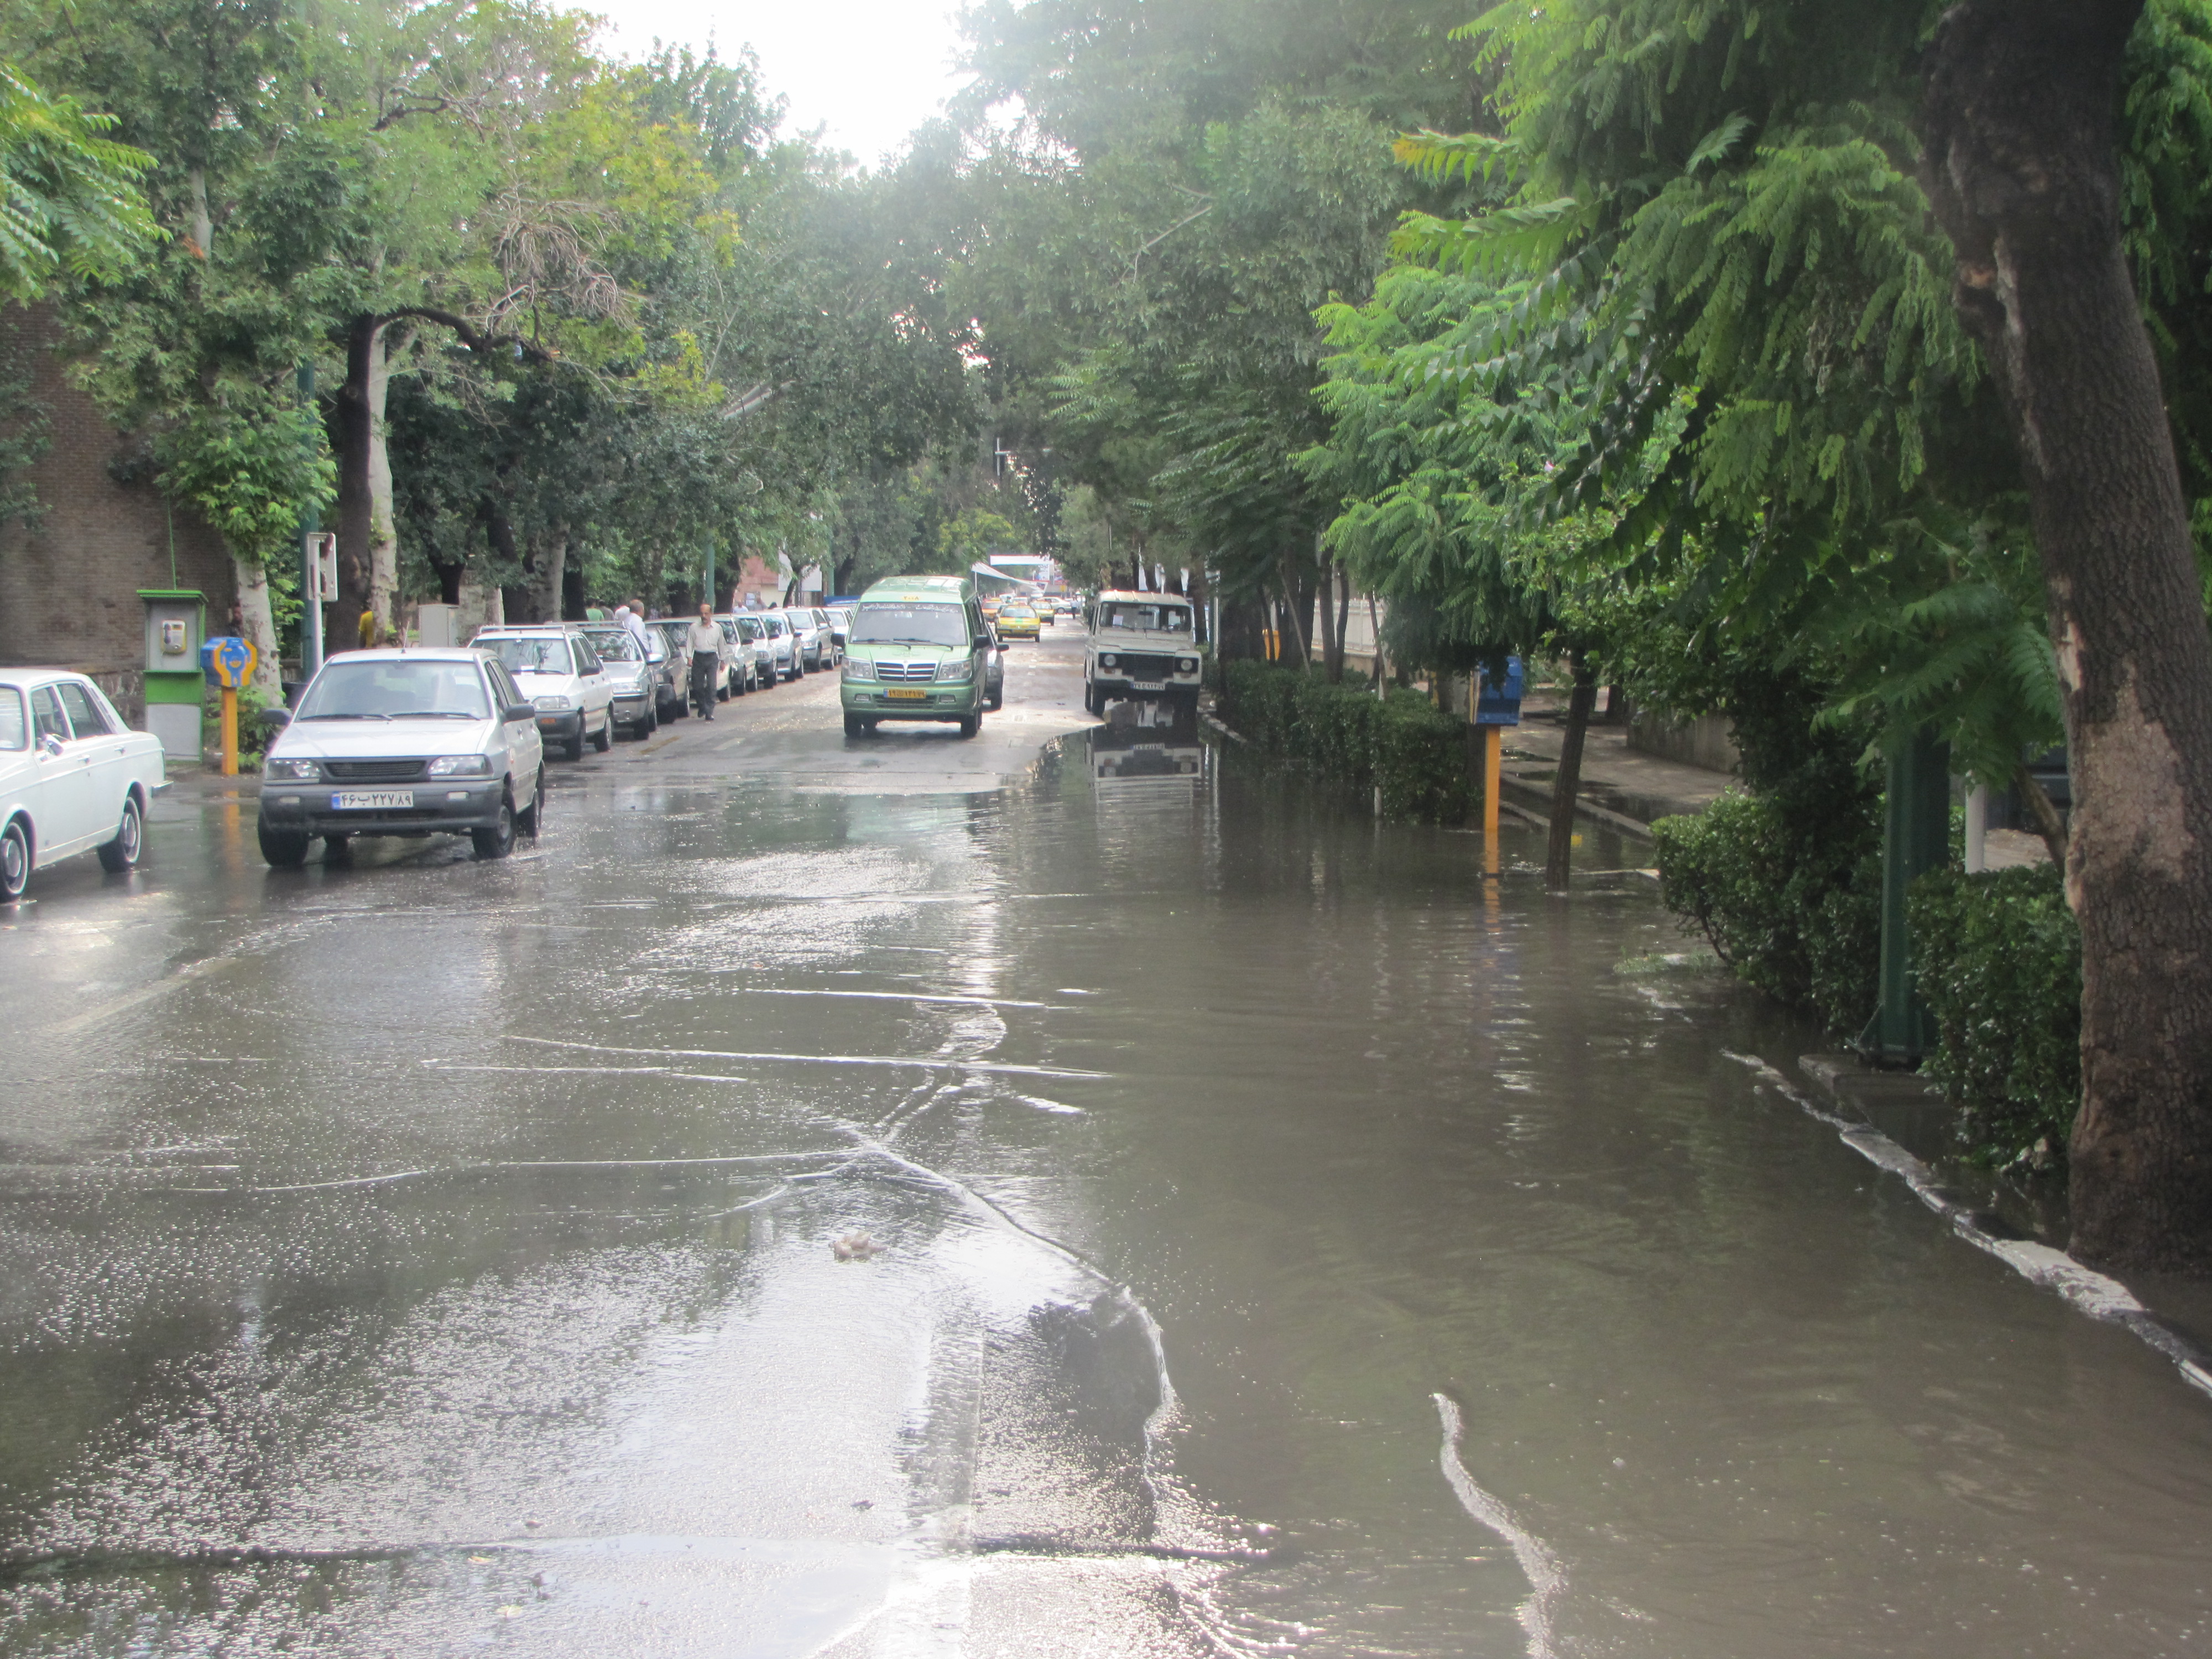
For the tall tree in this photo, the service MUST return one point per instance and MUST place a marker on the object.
(2020, 118)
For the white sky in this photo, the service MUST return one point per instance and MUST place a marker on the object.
(871, 70)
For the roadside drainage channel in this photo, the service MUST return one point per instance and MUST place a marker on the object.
(1914, 1108)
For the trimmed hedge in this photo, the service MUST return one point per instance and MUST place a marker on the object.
(1794, 909)
(1999, 961)
(1415, 753)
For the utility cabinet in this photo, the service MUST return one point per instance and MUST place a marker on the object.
(176, 623)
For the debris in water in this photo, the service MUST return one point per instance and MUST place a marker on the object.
(864, 1503)
(854, 1247)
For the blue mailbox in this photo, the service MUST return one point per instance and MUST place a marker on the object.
(1498, 703)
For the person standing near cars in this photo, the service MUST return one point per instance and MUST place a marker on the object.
(632, 617)
(705, 639)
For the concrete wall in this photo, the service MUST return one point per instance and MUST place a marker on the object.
(68, 588)
(1705, 742)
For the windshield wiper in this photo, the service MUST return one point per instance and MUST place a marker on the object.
(900, 641)
(347, 717)
(433, 714)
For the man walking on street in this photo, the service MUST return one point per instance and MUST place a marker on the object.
(706, 643)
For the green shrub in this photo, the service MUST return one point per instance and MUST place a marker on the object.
(1998, 961)
(1796, 909)
(1413, 751)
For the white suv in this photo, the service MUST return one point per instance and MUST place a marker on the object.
(561, 676)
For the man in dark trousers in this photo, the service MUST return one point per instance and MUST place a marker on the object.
(705, 637)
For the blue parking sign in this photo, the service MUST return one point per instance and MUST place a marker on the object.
(228, 661)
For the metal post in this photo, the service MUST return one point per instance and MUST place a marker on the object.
(711, 596)
(229, 733)
(311, 521)
(1916, 839)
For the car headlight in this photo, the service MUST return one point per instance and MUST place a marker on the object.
(957, 672)
(460, 766)
(858, 668)
(293, 771)
(552, 705)
(1186, 665)
(1108, 660)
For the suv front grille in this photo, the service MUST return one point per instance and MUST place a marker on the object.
(383, 771)
(908, 672)
(1143, 666)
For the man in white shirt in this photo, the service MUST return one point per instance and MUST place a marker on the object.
(632, 617)
(704, 637)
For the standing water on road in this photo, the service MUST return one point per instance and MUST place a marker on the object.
(1143, 1211)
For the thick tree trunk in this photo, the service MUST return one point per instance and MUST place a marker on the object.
(355, 428)
(1559, 856)
(546, 570)
(258, 622)
(1332, 623)
(383, 532)
(2021, 100)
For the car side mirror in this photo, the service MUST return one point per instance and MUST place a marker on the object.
(519, 711)
(52, 745)
(983, 642)
(275, 718)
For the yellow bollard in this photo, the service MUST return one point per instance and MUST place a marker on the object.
(1494, 752)
(229, 733)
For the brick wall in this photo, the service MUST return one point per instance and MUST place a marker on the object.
(69, 589)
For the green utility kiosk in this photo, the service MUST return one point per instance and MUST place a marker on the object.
(176, 621)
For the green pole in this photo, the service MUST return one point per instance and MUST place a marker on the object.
(311, 521)
(1915, 838)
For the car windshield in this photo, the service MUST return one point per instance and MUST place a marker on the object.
(749, 628)
(888, 622)
(15, 731)
(1015, 611)
(614, 645)
(1146, 618)
(390, 688)
(547, 653)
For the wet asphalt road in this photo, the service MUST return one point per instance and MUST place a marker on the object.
(1063, 1192)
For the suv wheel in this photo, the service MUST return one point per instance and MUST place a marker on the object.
(970, 725)
(856, 727)
(122, 854)
(497, 842)
(285, 849)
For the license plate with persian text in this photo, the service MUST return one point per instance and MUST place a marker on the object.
(371, 800)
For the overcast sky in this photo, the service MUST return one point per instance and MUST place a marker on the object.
(871, 70)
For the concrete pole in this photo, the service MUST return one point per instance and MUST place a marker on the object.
(311, 523)
(1977, 828)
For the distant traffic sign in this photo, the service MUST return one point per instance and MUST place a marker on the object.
(228, 661)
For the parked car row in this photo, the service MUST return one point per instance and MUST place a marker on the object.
(455, 741)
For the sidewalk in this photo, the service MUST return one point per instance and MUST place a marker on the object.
(1618, 785)
(1628, 789)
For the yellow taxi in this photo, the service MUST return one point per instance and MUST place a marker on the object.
(1017, 621)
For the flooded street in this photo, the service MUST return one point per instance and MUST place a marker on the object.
(1074, 1192)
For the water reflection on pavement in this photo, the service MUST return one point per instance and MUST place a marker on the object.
(1261, 1235)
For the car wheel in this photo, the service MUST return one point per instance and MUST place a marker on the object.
(15, 861)
(284, 850)
(855, 727)
(497, 842)
(606, 740)
(998, 700)
(971, 725)
(337, 849)
(531, 818)
(123, 853)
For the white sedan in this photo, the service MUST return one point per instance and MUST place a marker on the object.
(73, 777)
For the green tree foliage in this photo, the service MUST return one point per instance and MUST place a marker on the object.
(69, 199)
